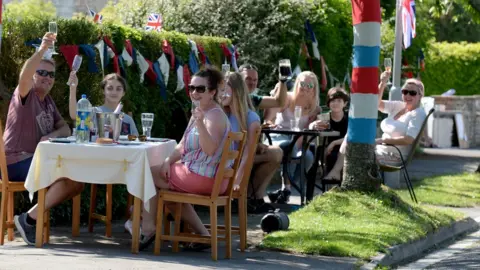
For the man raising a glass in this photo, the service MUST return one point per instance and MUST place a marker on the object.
(34, 117)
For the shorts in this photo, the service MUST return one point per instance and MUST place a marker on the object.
(183, 180)
(17, 172)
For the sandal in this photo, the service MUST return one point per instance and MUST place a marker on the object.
(197, 246)
(146, 241)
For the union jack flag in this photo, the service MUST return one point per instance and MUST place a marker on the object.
(97, 17)
(408, 21)
(154, 22)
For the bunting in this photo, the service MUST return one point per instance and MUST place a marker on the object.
(166, 48)
(113, 54)
(69, 52)
(311, 36)
(164, 67)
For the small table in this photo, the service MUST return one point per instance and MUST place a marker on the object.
(97, 164)
(312, 134)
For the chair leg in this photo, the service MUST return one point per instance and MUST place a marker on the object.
(76, 215)
(158, 232)
(46, 229)
(178, 215)
(11, 207)
(407, 178)
(242, 223)
(213, 227)
(3, 218)
(93, 204)
(228, 229)
(108, 221)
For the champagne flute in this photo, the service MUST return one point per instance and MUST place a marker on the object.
(225, 68)
(77, 62)
(388, 67)
(298, 116)
(52, 28)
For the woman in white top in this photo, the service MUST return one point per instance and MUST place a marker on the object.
(400, 128)
(306, 95)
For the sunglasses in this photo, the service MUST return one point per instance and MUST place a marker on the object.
(45, 73)
(307, 85)
(409, 92)
(200, 89)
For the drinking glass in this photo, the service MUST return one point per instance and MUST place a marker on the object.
(147, 123)
(298, 116)
(77, 62)
(52, 28)
(388, 66)
(325, 118)
(225, 68)
(285, 69)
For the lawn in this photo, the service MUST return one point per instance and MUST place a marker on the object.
(357, 225)
(460, 190)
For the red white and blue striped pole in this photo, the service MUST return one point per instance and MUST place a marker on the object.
(362, 118)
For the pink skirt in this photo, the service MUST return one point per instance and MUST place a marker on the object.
(183, 180)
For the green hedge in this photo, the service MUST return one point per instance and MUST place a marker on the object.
(452, 65)
(170, 114)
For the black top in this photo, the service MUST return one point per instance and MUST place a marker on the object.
(340, 126)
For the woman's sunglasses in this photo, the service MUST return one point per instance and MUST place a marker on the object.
(200, 89)
(409, 92)
(45, 73)
(307, 85)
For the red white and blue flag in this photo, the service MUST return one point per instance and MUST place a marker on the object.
(408, 21)
(155, 22)
(97, 17)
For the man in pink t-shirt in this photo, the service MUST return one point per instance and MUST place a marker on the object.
(33, 117)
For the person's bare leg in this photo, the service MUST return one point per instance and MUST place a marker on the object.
(190, 216)
(60, 191)
(148, 217)
(264, 171)
(336, 171)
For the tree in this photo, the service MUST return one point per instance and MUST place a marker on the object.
(361, 171)
(29, 9)
(134, 13)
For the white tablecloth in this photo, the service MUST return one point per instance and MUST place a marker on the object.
(98, 164)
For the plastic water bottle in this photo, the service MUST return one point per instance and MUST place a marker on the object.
(84, 118)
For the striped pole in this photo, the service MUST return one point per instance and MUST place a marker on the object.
(362, 118)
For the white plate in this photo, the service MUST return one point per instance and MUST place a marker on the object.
(158, 140)
(129, 143)
(105, 144)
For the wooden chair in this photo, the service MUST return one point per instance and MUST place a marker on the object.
(403, 166)
(213, 201)
(241, 195)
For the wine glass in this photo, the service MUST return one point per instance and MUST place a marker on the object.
(388, 66)
(225, 68)
(77, 62)
(147, 123)
(285, 69)
(298, 116)
(52, 28)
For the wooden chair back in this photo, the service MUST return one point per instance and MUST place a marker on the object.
(229, 154)
(252, 148)
(417, 139)
(3, 162)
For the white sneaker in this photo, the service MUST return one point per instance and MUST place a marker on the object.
(129, 227)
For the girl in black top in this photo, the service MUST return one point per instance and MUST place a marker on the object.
(337, 100)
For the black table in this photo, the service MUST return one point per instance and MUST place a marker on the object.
(310, 135)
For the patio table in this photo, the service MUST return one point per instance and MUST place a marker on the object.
(97, 164)
(310, 135)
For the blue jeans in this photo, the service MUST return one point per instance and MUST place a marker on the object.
(283, 141)
(17, 172)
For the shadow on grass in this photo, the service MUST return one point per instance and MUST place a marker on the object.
(356, 224)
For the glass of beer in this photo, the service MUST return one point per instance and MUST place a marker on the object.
(285, 69)
(388, 66)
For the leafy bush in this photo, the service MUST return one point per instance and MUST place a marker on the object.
(140, 97)
(452, 65)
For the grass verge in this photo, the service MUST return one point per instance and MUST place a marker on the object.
(356, 224)
(460, 190)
